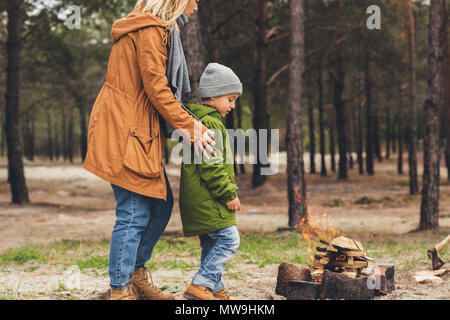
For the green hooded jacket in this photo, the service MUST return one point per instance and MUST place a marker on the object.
(207, 186)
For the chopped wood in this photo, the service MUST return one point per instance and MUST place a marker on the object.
(356, 264)
(426, 279)
(429, 276)
(346, 243)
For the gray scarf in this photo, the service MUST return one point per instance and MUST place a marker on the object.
(177, 70)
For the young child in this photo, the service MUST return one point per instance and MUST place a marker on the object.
(208, 198)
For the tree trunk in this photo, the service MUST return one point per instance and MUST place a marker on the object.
(332, 137)
(16, 176)
(239, 125)
(32, 137)
(49, 136)
(412, 152)
(323, 167)
(3, 139)
(70, 137)
(26, 133)
(194, 50)
(370, 144)
(83, 128)
(339, 105)
(360, 140)
(394, 137)
(429, 210)
(447, 97)
(399, 123)
(64, 134)
(56, 143)
(388, 132)
(298, 213)
(376, 130)
(260, 116)
(351, 134)
(311, 127)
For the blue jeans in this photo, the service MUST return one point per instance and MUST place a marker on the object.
(140, 221)
(217, 248)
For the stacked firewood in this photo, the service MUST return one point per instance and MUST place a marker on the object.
(343, 255)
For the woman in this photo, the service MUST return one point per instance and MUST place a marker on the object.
(126, 142)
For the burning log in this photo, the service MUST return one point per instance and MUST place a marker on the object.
(289, 271)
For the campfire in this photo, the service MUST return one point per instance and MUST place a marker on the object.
(343, 255)
(342, 270)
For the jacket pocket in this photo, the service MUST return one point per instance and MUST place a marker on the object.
(142, 153)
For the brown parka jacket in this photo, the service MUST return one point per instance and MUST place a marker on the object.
(125, 143)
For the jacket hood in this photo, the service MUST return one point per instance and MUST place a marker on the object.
(134, 21)
(200, 110)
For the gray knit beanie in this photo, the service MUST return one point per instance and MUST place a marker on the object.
(218, 80)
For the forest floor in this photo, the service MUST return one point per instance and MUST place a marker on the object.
(57, 246)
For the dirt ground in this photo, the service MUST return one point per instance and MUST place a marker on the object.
(70, 203)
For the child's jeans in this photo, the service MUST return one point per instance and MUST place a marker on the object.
(217, 248)
(140, 221)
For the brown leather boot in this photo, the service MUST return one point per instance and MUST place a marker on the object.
(147, 289)
(129, 293)
(221, 295)
(194, 292)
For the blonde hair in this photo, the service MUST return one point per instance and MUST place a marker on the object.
(167, 10)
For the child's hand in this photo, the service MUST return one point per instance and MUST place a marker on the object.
(234, 204)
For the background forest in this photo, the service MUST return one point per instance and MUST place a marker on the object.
(372, 110)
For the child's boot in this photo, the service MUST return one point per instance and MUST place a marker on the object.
(221, 295)
(194, 292)
(148, 290)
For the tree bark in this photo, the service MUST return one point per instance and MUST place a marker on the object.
(399, 124)
(260, 116)
(412, 152)
(81, 103)
(339, 105)
(311, 127)
(16, 176)
(388, 132)
(323, 167)
(376, 132)
(70, 137)
(298, 213)
(370, 144)
(447, 97)
(49, 136)
(56, 148)
(332, 137)
(360, 140)
(429, 210)
(194, 50)
(239, 124)
(64, 134)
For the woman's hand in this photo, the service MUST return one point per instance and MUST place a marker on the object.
(204, 143)
(234, 204)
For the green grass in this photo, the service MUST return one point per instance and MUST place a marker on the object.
(175, 253)
(23, 255)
